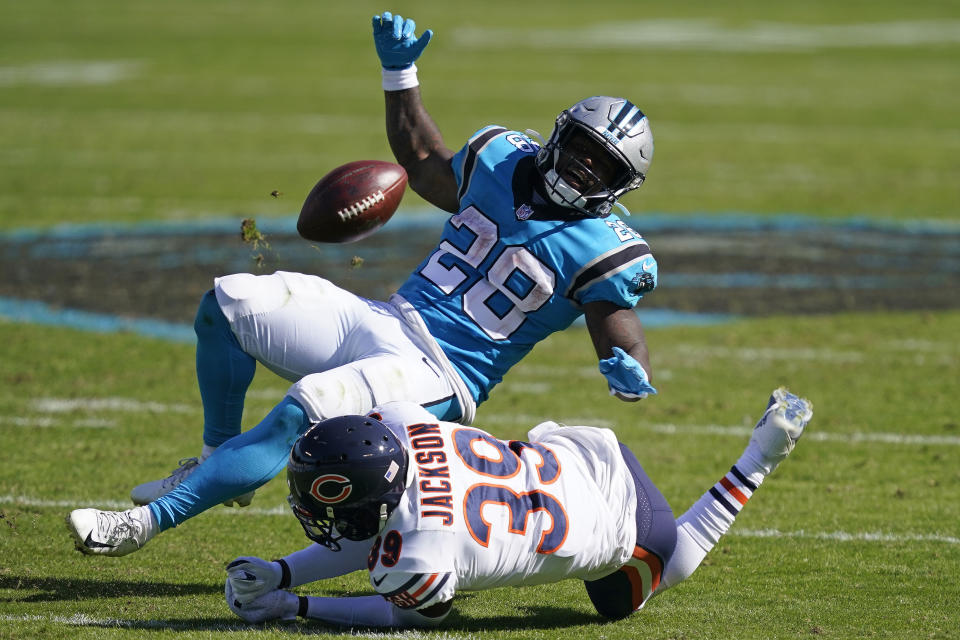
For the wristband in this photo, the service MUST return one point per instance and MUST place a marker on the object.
(284, 574)
(400, 79)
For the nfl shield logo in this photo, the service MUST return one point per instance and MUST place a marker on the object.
(524, 211)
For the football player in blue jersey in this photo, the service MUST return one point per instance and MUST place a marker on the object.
(532, 245)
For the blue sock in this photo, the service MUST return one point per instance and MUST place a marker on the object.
(224, 372)
(239, 465)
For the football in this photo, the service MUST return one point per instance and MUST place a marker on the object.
(352, 201)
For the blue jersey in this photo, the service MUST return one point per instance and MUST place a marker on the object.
(512, 268)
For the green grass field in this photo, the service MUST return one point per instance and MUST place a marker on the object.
(126, 112)
(854, 536)
(131, 110)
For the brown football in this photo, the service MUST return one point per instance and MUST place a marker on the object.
(352, 201)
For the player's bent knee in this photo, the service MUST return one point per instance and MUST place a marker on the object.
(241, 295)
(341, 391)
(289, 420)
(210, 320)
(611, 595)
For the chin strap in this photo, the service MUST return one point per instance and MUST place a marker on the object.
(568, 203)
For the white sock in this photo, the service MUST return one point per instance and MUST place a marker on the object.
(701, 527)
(150, 525)
(206, 452)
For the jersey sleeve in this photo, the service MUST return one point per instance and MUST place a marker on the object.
(414, 568)
(411, 590)
(465, 161)
(622, 276)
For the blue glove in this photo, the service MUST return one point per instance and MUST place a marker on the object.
(396, 45)
(626, 376)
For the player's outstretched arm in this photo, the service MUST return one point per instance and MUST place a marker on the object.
(358, 611)
(414, 137)
(252, 577)
(419, 148)
(621, 345)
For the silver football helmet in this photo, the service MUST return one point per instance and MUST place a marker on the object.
(599, 150)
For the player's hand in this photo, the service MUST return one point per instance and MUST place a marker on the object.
(627, 378)
(395, 41)
(273, 605)
(251, 577)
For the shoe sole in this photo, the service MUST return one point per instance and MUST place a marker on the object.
(795, 410)
(782, 425)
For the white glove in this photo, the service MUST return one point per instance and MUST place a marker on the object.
(252, 577)
(270, 606)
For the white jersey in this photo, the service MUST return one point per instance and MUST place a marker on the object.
(480, 513)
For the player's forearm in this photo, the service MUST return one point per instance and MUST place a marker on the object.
(365, 611)
(610, 326)
(419, 148)
(317, 562)
(412, 133)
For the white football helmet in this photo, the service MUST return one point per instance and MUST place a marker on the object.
(600, 149)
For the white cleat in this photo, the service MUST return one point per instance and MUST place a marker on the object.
(111, 533)
(781, 426)
(149, 491)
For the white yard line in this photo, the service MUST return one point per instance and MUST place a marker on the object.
(29, 501)
(129, 405)
(62, 73)
(709, 35)
(73, 412)
(856, 437)
(119, 505)
(60, 406)
(820, 436)
(48, 423)
(83, 620)
(843, 536)
(283, 510)
(768, 354)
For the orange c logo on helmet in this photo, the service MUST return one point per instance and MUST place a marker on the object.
(331, 488)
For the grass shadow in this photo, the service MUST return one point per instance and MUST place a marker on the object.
(57, 589)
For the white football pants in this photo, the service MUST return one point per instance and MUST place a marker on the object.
(345, 354)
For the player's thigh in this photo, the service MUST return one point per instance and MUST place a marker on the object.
(292, 323)
(357, 387)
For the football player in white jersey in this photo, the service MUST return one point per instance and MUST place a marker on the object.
(431, 508)
(533, 245)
